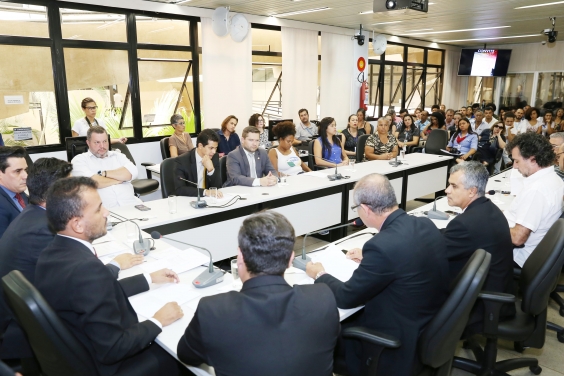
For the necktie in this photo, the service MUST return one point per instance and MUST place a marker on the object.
(95, 253)
(253, 166)
(204, 178)
(20, 200)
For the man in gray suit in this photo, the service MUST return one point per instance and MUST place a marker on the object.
(248, 165)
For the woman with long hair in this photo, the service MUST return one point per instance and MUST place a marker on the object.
(464, 140)
(362, 123)
(349, 136)
(532, 122)
(284, 158)
(256, 120)
(437, 122)
(382, 144)
(179, 142)
(496, 141)
(407, 134)
(559, 119)
(228, 139)
(327, 148)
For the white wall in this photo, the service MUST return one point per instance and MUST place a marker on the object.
(532, 57)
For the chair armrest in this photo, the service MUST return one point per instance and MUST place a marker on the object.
(318, 167)
(497, 297)
(371, 336)
(517, 272)
(493, 301)
(147, 164)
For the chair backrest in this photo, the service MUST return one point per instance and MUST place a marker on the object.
(124, 150)
(214, 129)
(223, 169)
(542, 269)
(437, 343)
(311, 157)
(56, 348)
(165, 150)
(168, 167)
(360, 147)
(437, 140)
(75, 146)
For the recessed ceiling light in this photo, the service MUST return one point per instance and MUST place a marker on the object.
(385, 23)
(460, 30)
(411, 31)
(299, 12)
(182, 2)
(493, 38)
(540, 5)
(367, 12)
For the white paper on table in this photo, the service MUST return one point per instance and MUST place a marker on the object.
(335, 262)
(178, 262)
(150, 302)
(318, 174)
(161, 254)
(110, 248)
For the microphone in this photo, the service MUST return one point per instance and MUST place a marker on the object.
(336, 175)
(395, 163)
(199, 204)
(208, 277)
(301, 261)
(436, 214)
(491, 192)
(141, 246)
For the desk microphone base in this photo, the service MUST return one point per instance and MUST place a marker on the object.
(436, 214)
(301, 263)
(395, 163)
(207, 279)
(142, 248)
(198, 204)
(334, 177)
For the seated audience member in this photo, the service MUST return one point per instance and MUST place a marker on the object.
(392, 125)
(558, 120)
(350, 136)
(449, 119)
(327, 148)
(23, 242)
(363, 123)
(1, 140)
(539, 204)
(455, 119)
(464, 141)
(13, 175)
(284, 158)
(491, 140)
(248, 165)
(465, 233)
(442, 107)
(547, 124)
(199, 165)
(228, 139)
(86, 295)
(402, 281)
(557, 142)
(469, 112)
(179, 142)
(256, 120)
(423, 121)
(435, 108)
(267, 318)
(532, 122)
(111, 170)
(437, 122)
(407, 133)
(519, 125)
(81, 126)
(417, 114)
(477, 122)
(489, 117)
(381, 145)
(306, 130)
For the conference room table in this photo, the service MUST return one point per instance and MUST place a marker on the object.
(310, 202)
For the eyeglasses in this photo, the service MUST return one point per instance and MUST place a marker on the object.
(356, 206)
(92, 108)
(182, 123)
(498, 126)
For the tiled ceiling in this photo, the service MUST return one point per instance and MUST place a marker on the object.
(443, 15)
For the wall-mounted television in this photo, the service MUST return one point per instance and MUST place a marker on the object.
(484, 62)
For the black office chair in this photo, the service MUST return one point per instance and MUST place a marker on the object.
(140, 186)
(56, 348)
(437, 140)
(538, 279)
(437, 343)
(77, 145)
(165, 150)
(360, 147)
(557, 298)
(168, 174)
(223, 169)
(311, 158)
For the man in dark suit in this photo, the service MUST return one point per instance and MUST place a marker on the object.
(402, 279)
(481, 225)
(199, 163)
(13, 174)
(249, 165)
(23, 242)
(268, 328)
(87, 297)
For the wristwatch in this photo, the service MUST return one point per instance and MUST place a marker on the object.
(105, 173)
(100, 172)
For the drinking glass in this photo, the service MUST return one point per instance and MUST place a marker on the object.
(234, 269)
(212, 194)
(351, 164)
(171, 204)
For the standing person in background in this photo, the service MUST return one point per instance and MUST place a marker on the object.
(305, 130)
(362, 123)
(256, 120)
(350, 136)
(82, 125)
(228, 139)
(284, 158)
(328, 146)
(179, 142)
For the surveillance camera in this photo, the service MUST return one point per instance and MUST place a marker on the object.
(551, 35)
(360, 39)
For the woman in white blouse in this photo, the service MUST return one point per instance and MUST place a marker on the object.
(532, 122)
(284, 158)
(81, 126)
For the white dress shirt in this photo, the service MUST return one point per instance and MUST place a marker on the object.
(519, 127)
(87, 164)
(253, 168)
(81, 126)
(200, 170)
(537, 206)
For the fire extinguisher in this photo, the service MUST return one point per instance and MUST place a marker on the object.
(364, 95)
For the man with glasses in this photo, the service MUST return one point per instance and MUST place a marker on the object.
(402, 279)
(557, 142)
(110, 169)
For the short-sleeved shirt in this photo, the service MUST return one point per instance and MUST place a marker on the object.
(406, 135)
(464, 146)
(81, 125)
(421, 126)
(226, 146)
(537, 206)
(350, 140)
(304, 133)
(380, 147)
(87, 164)
(182, 147)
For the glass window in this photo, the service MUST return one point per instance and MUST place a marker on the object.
(433, 87)
(414, 88)
(516, 88)
(375, 92)
(550, 89)
(23, 20)
(86, 25)
(415, 55)
(371, 54)
(102, 75)
(162, 31)
(164, 91)
(434, 57)
(266, 72)
(393, 76)
(266, 40)
(394, 52)
(27, 97)
(480, 89)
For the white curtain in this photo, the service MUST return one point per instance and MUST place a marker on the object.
(227, 78)
(299, 72)
(454, 87)
(337, 65)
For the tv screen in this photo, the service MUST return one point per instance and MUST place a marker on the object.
(483, 62)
